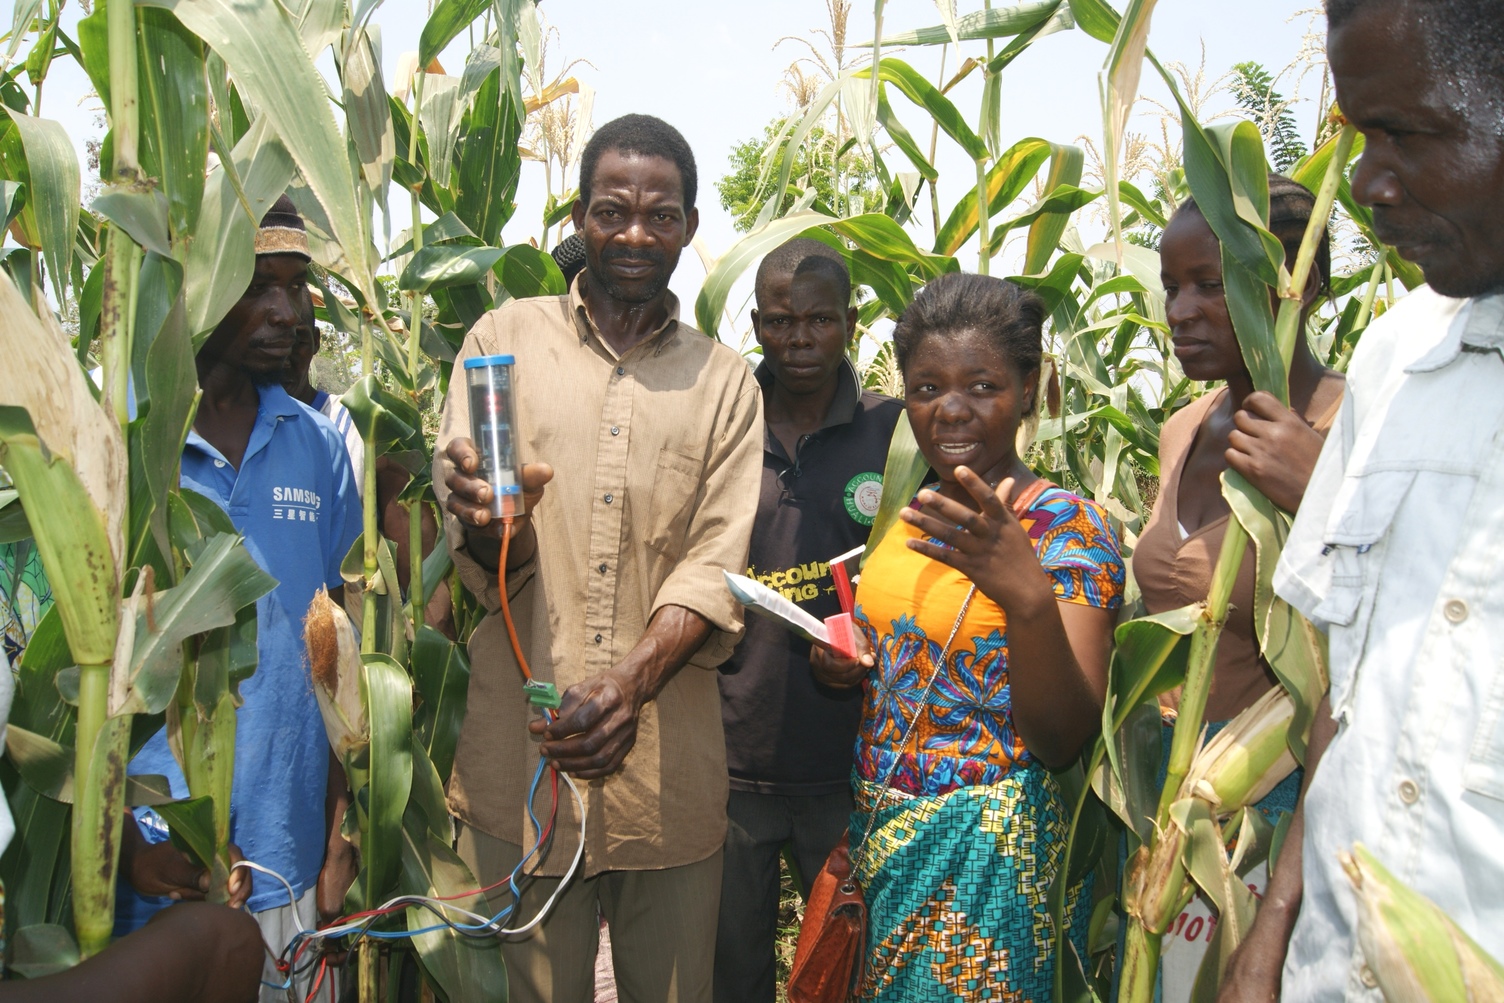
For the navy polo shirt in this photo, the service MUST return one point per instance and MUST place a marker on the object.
(294, 500)
(785, 734)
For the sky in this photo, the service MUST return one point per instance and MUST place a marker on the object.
(713, 69)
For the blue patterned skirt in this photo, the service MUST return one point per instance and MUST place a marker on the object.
(957, 889)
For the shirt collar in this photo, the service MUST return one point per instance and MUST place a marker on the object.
(842, 406)
(1479, 328)
(663, 334)
(273, 404)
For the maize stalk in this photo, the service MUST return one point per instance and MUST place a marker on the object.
(1413, 948)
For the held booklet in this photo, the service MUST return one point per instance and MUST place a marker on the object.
(836, 633)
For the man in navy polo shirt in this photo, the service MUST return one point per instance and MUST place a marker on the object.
(789, 741)
(280, 471)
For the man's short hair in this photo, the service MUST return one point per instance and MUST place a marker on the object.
(802, 255)
(1467, 35)
(645, 135)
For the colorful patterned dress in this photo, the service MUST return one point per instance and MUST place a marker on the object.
(970, 829)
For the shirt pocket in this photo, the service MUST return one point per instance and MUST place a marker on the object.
(1484, 772)
(1355, 543)
(676, 484)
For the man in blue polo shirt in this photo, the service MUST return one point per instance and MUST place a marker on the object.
(279, 469)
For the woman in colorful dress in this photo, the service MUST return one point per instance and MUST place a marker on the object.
(987, 616)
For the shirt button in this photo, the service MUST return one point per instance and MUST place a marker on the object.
(1409, 791)
(1368, 978)
(621, 370)
(609, 499)
(1455, 610)
(597, 639)
(615, 430)
(219, 463)
(601, 569)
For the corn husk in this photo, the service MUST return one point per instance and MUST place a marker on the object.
(335, 664)
(1248, 758)
(1415, 951)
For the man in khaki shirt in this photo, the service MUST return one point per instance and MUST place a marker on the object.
(647, 435)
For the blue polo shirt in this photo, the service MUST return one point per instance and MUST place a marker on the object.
(294, 501)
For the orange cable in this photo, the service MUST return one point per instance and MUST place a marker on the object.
(506, 606)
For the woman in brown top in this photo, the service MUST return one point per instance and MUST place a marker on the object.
(1274, 447)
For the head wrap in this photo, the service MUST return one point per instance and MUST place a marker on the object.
(282, 231)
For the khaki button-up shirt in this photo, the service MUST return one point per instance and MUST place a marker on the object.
(656, 456)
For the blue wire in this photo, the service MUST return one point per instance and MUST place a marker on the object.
(511, 882)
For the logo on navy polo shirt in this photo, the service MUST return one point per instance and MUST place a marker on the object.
(295, 504)
(864, 493)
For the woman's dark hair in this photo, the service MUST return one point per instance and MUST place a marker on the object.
(1290, 206)
(1010, 315)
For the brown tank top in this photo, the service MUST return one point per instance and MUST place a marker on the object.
(1172, 572)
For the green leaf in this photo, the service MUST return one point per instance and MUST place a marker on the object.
(1096, 18)
(223, 580)
(446, 227)
(376, 411)
(1006, 181)
(141, 214)
(465, 968)
(71, 536)
(368, 112)
(262, 47)
(175, 117)
(441, 672)
(487, 164)
(879, 236)
(983, 24)
(192, 825)
(730, 266)
(903, 476)
(526, 271)
(448, 19)
(439, 266)
(388, 699)
(928, 96)
(217, 272)
(1287, 640)
(42, 949)
(53, 181)
(1049, 225)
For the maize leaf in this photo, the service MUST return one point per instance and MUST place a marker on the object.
(383, 783)
(52, 185)
(464, 968)
(1414, 949)
(441, 671)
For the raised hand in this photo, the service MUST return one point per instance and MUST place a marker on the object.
(988, 546)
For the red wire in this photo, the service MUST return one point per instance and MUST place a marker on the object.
(323, 966)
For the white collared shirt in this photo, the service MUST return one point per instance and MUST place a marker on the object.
(1398, 554)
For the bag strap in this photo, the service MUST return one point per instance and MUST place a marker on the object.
(1021, 504)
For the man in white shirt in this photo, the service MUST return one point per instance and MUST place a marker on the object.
(1396, 551)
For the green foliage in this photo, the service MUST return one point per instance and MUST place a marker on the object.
(813, 169)
(1255, 93)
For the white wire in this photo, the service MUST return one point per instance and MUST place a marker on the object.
(442, 906)
(292, 897)
(574, 866)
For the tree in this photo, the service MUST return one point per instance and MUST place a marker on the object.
(739, 189)
(1254, 89)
